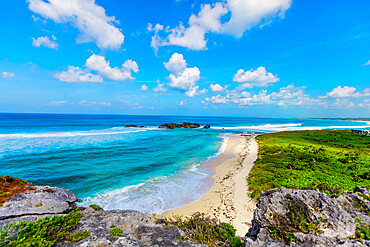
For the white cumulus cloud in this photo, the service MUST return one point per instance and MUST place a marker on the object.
(285, 97)
(255, 78)
(45, 41)
(346, 91)
(216, 100)
(194, 91)
(144, 88)
(90, 103)
(176, 64)
(186, 79)
(56, 103)
(7, 74)
(342, 103)
(182, 77)
(244, 14)
(99, 64)
(160, 87)
(76, 74)
(94, 25)
(217, 87)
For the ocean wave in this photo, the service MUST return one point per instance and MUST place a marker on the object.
(72, 133)
(225, 140)
(161, 193)
(156, 195)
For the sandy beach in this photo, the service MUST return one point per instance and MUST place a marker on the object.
(228, 200)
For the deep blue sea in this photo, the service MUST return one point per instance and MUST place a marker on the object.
(146, 169)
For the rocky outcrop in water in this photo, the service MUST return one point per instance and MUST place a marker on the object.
(207, 127)
(309, 218)
(130, 126)
(137, 229)
(183, 125)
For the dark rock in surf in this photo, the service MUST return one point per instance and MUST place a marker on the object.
(185, 125)
(131, 126)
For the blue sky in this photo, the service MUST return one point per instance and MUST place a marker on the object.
(257, 58)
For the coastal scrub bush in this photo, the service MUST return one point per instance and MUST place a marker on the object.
(10, 186)
(95, 207)
(363, 232)
(201, 229)
(42, 232)
(116, 232)
(329, 160)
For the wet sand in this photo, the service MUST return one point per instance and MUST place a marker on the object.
(228, 200)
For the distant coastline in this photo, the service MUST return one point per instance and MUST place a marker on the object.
(347, 119)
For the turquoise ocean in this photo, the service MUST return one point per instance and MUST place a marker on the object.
(146, 169)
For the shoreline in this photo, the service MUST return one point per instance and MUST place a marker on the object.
(227, 200)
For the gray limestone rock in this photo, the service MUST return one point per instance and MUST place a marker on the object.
(315, 218)
(42, 200)
(138, 229)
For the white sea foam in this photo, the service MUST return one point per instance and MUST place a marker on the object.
(162, 193)
(72, 133)
(156, 195)
(222, 149)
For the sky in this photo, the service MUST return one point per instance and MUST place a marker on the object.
(249, 58)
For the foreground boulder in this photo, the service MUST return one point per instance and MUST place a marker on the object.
(310, 218)
(131, 227)
(38, 201)
(183, 125)
(137, 230)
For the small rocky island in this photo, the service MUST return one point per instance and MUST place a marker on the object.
(185, 125)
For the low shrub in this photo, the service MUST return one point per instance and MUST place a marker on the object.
(95, 207)
(43, 232)
(201, 229)
(116, 232)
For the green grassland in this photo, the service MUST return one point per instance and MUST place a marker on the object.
(330, 160)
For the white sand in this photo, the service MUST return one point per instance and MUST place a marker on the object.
(228, 200)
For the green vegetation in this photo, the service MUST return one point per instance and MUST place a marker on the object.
(10, 186)
(95, 207)
(300, 215)
(202, 229)
(329, 160)
(116, 232)
(363, 232)
(43, 232)
(39, 205)
(286, 237)
(112, 226)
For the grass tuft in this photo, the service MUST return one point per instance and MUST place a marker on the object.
(201, 229)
